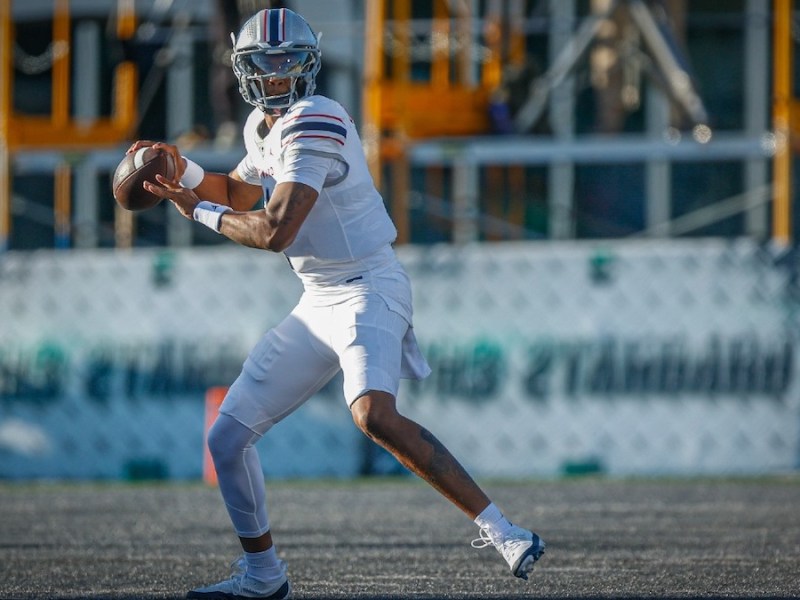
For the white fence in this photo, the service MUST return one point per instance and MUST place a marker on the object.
(628, 357)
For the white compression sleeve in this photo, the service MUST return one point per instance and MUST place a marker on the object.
(241, 479)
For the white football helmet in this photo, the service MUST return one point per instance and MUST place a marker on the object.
(275, 44)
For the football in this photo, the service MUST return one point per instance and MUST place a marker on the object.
(133, 170)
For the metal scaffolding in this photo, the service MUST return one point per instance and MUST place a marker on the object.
(396, 139)
(428, 86)
(63, 128)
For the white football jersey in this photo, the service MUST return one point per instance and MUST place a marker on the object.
(349, 221)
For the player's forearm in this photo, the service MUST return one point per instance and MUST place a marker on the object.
(255, 230)
(276, 226)
(222, 189)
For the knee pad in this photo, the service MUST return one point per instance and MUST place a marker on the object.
(227, 438)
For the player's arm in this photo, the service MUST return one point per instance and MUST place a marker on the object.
(275, 227)
(228, 190)
(306, 172)
(225, 190)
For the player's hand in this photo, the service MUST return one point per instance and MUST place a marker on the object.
(183, 198)
(139, 144)
(171, 149)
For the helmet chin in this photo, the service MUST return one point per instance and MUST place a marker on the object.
(274, 104)
(277, 104)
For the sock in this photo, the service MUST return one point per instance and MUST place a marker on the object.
(263, 566)
(493, 521)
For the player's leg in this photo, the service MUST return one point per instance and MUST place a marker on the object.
(371, 358)
(417, 449)
(376, 414)
(261, 396)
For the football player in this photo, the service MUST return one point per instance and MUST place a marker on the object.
(305, 159)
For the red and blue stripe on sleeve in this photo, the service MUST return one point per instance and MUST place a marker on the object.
(314, 126)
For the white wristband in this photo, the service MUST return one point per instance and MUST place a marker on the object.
(193, 175)
(210, 214)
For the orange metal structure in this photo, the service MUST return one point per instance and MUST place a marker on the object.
(462, 54)
(59, 130)
(786, 121)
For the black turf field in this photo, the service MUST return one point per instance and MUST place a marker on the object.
(398, 539)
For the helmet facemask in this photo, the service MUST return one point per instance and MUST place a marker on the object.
(273, 46)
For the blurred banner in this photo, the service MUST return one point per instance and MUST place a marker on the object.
(624, 357)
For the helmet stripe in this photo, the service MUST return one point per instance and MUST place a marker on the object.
(276, 26)
(274, 33)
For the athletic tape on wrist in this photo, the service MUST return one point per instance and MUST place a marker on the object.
(193, 175)
(210, 214)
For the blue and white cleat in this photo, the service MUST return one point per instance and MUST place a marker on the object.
(241, 585)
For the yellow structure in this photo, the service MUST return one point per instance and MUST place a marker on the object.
(450, 94)
(59, 130)
(786, 121)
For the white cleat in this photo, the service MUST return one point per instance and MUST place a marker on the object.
(519, 547)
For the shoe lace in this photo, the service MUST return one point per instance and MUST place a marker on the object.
(239, 575)
(483, 541)
(239, 569)
(239, 565)
(507, 545)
